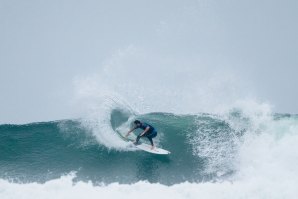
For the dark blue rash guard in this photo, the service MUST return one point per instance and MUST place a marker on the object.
(145, 125)
(151, 133)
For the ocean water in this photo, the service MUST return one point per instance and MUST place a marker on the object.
(223, 142)
(241, 153)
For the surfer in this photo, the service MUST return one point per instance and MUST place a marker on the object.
(148, 132)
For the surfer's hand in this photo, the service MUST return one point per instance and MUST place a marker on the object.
(127, 134)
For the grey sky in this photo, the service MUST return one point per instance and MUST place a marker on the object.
(45, 44)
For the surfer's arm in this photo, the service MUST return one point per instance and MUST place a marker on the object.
(131, 130)
(146, 130)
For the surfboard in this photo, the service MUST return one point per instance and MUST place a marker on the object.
(145, 147)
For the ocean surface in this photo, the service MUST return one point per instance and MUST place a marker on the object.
(238, 154)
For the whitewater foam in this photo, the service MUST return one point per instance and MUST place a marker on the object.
(64, 187)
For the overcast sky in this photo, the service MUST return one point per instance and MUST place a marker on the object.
(44, 45)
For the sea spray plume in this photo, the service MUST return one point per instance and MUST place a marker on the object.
(138, 81)
(149, 82)
(219, 137)
(97, 105)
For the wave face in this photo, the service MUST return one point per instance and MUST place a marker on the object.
(244, 153)
(43, 151)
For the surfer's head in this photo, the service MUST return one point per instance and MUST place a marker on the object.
(137, 122)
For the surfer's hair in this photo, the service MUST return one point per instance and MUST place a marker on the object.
(137, 122)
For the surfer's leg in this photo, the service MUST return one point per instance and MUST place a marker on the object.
(151, 141)
(150, 136)
(154, 134)
(138, 138)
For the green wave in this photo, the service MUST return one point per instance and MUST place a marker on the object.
(203, 148)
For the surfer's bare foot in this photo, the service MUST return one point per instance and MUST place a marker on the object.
(152, 147)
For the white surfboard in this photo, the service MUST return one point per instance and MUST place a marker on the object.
(147, 148)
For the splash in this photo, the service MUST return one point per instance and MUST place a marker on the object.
(136, 81)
